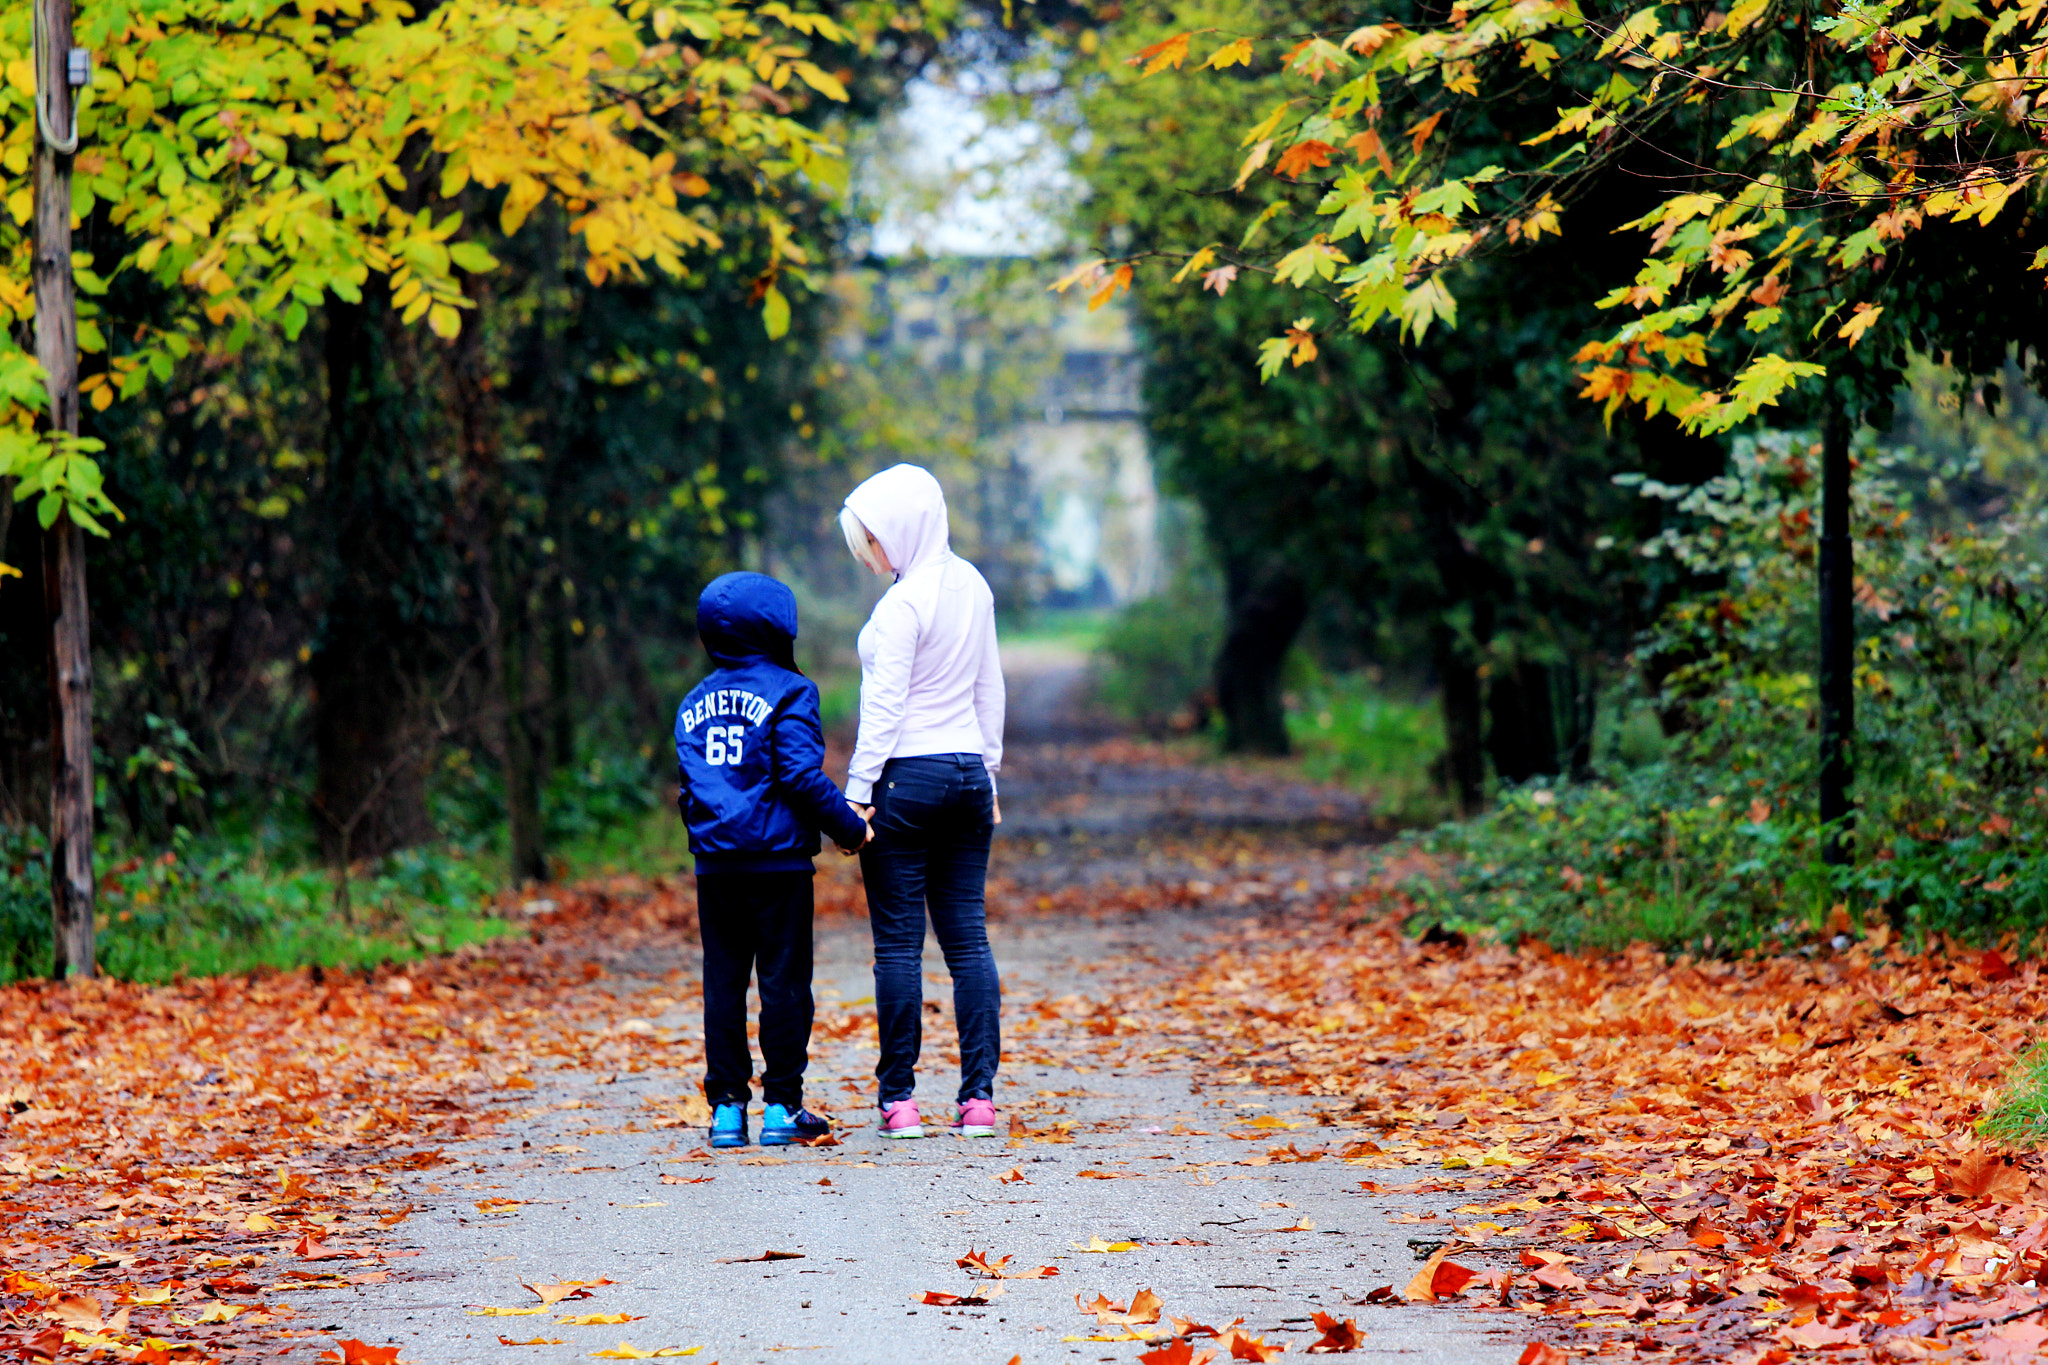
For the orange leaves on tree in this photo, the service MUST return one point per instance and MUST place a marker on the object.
(1162, 54)
(1419, 134)
(1861, 318)
(1118, 282)
(1304, 156)
(1366, 146)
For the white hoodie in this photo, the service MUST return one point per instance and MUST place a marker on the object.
(931, 681)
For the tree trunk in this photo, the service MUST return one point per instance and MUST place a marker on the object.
(71, 813)
(523, 756)
(561, 682)
(370, 796)
(1464, 760)
(1837, 640)
(1267, 603)
(1522, 735)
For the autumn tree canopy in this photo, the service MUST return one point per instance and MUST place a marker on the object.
(1822, 177)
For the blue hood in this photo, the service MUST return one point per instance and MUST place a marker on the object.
(747, 616)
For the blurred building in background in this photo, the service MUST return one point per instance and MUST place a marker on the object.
(1027, 407)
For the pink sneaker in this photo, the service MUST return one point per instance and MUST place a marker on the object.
(977, 1119)
(900, 1120)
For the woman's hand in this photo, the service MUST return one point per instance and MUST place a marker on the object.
(998, 802)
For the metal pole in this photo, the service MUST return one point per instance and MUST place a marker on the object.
(1837, 639)
(71, 784)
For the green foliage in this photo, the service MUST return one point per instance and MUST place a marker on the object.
(1348, 729)
(205, 907)
(1716, 841)
(1156, 661)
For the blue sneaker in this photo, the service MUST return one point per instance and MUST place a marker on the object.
(729, 1125)
(780, 1127)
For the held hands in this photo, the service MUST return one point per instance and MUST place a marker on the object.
(866, 814)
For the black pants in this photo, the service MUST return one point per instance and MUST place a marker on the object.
(756, 921)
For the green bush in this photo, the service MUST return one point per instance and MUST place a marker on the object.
(1716, 840)
(1156, 661)
(1348, 729)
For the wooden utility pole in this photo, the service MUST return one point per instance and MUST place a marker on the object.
(71, 879)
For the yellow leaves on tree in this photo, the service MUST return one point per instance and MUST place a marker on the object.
(254, 158)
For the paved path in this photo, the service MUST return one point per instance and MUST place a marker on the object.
(876, 1225)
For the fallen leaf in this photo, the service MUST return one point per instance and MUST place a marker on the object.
(1243, 1347)
(77, 1312)
(1144, 1310)
(532, 1341)
(563, 1289)
(311, 1250)
(627, 1351)
(941, 1300)
(668, 1179)
(260, 1222)
(1013, 1176)
(1542, 1353)
(1097, 1244)
(492, 1312)
(354, 1352)
(1179, 1351)
(595, 1319)
(393, 1219)
(1336, 1336)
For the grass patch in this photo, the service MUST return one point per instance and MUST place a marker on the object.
(207, 909)
(2020, 1118)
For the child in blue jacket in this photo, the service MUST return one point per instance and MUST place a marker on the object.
(749, 754)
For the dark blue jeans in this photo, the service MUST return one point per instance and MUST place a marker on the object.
(934, 815)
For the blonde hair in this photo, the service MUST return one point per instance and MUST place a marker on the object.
(864, 548)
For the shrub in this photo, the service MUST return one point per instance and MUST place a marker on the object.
(1717, 839)
(1156, 663)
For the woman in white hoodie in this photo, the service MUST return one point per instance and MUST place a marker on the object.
(923, 770)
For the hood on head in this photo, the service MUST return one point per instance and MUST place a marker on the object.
(745, 616)
(905, 509)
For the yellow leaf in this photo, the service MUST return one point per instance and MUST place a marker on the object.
(1119, 280)
(625, 1350)
(1097, 1244)
(22, 76)
(445, 321)
(1197, 262)
(506, 1312)
(21, 204)
(595, 1319)
(1860, 320)
(1162, 54)
(1235, 53)
(255, 1222)
(6, 569)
